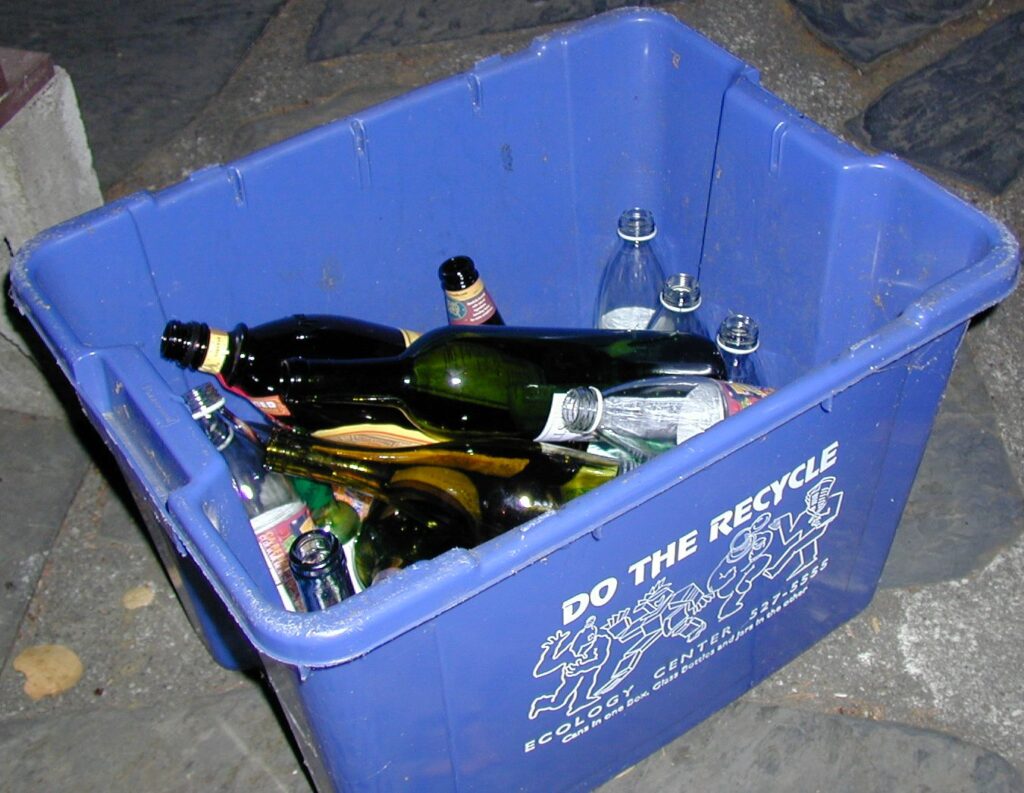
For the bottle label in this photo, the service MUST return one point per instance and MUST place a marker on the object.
(469, 306)
(555, 430)
(376, 436)
(216, 352)
(706, 406)
(275, 532)
(627, 318)
(269, 404)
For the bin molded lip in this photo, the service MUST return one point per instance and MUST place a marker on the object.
(416, 596)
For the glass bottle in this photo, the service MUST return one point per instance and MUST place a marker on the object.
(650, 416)
(327, 512)
(318, 566)
(632, 278)
(467, 300)
(738, 340)
(418, 514)
(276, 513)
(514, 479)
(678, 304)
(432, 498)
(470, 382)
(248, 359)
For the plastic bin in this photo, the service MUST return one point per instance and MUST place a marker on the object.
(562, 652)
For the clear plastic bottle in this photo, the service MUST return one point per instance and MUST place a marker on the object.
(738, 340)
(628, 294)
(679, 301)
(276, 512)
(646, 417)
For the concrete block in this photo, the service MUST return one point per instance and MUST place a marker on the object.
(46, 176)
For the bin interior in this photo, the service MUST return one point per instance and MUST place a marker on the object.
(524, 164)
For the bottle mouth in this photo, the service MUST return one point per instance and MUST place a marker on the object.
(184, 342)
(582, 409)
(458, 272)
(681, 292)
(637, 225)
(314, 553)
(738, 334)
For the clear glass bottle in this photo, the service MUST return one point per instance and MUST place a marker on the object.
(738, 340)
(276, 512)
(647, 417)
(678, 304)
(489, 381)
(318, 566)
(632, 278)
(466, 298)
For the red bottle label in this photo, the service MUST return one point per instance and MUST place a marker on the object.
(470, 306)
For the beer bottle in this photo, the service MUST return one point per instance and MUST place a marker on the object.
(467, 300)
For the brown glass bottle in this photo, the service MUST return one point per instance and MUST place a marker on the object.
(247, 360)
(467, 300)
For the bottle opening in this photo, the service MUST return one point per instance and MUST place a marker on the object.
(457, 273)
(738, 334)
(185, 342)
(582, 409)
(681, 292)
(637, 225)
(314, 553)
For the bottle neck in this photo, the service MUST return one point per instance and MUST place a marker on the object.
(197, 346)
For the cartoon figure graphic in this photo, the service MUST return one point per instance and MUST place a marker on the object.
(576, 661)
(661, 613)
(748, 558)
(768, 547)
(799, 537)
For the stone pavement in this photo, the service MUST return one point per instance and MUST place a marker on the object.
(922, 691)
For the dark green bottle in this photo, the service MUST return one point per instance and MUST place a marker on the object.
(483, 381)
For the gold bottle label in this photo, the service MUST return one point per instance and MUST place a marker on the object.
(216, 352)
(375, 436)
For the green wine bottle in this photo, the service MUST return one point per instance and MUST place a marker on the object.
(456, 382)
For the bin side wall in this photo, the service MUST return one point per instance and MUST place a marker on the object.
(594, 656)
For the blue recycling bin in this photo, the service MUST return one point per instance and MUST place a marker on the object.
(560, 653)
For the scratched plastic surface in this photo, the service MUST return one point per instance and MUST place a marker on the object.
(558, 654)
